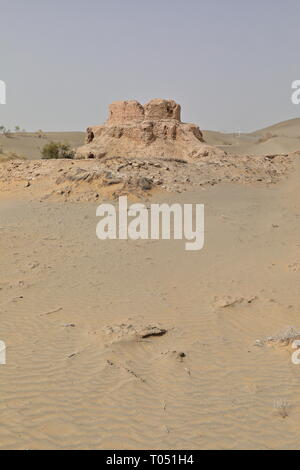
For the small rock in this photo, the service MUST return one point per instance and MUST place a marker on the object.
(145, 183)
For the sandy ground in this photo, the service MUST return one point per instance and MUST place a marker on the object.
(79, 373)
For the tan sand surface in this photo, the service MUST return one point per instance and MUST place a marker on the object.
(81, 371)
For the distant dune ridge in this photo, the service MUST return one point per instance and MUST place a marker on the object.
(136, 344)
(124, 344)
(30, 144)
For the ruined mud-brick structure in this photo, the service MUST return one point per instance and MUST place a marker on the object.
(152, 130)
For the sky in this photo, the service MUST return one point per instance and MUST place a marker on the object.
(229, 63)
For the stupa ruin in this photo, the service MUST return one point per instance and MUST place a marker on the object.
(152, 130)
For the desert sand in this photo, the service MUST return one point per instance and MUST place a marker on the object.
(279, 138)
(141, 344)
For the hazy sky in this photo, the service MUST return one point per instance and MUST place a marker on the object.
(229, 63)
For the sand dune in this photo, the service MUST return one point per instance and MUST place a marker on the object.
(142, 345)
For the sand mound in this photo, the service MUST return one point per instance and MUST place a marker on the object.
(284, 338)
(152, 130)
